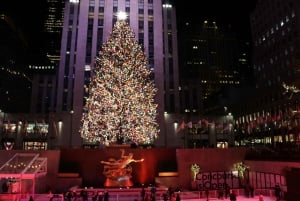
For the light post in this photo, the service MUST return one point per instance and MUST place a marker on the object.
(1, 119)
(165, 128)
(71, 128)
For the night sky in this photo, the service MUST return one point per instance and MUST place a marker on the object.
(226, 13)
(29, 15)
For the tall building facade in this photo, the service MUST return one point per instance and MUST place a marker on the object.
(53, 29)
(209, 63)
(87, 25)
(271, 116)
(274, 28)
(44, 72)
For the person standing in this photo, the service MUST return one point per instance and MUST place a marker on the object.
(251, 190)
(153, 193)
(206, 193)
(232, 196)
(50, 195)
(165, 197)
(277, 192)
(5, 187)
(153, 190)
(106, 196)
(178, 197)
(30, 198)
(227, 190)
(220, 194)
(143, 194)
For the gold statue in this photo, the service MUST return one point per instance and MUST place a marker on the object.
(118, 172)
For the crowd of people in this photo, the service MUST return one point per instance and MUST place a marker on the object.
(83, 195)
(171, 194)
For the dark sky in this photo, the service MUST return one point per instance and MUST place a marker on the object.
(233, 13)
(25, 19)
(28, 15)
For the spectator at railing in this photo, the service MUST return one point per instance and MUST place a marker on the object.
(277, 192)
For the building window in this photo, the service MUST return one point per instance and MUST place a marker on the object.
(35, 145)
(101, 3)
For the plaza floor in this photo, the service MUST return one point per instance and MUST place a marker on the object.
(239, 198)
(129, 197)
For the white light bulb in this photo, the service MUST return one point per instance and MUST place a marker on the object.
(121, 15)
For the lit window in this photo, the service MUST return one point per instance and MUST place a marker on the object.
(167, 6)
(293, 14)
(87, 68)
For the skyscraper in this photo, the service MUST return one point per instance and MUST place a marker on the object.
(275, 41)
(53, 29)
(87, 24)
(270, 117)
(44, 72)
(209, 63)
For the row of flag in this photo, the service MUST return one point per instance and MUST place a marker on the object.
(189, 124)
(250, 121)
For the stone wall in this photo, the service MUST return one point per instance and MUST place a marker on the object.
(85, 164)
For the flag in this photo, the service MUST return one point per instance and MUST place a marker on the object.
(189, 124)
(199, 123)
(181, 126)
(279, 115)
(206, 123)
(219, 126)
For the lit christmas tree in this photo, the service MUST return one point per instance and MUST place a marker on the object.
(121, 107)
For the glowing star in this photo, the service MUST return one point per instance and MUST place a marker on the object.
(121, 15)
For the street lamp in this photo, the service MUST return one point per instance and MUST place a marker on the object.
(2, 119)
(71, 128)
(2, 115)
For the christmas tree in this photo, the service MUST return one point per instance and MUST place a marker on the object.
(120, 107)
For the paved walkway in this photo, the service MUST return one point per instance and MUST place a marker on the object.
(238, 198)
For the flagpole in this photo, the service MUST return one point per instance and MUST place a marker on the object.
(184, 138)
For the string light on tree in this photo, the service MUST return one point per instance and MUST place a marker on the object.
(120, 107)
